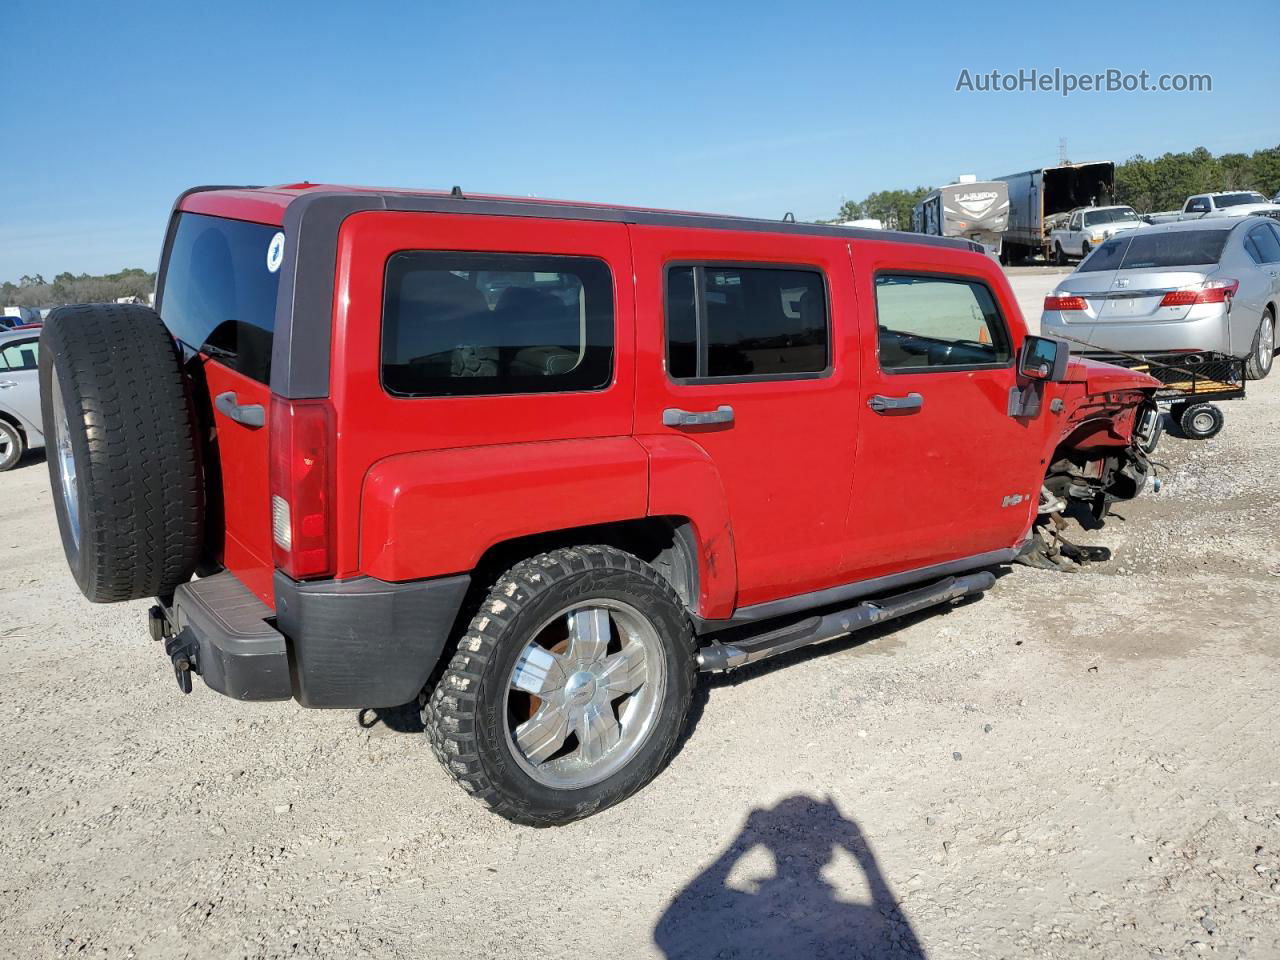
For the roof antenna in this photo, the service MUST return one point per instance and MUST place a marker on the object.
(788, 217)
(457, 192)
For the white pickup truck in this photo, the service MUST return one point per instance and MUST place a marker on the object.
(1234, 203)
(1085, 227)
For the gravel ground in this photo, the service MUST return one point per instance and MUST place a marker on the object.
(1073, 765)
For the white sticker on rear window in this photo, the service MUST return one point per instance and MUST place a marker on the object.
(275, 252)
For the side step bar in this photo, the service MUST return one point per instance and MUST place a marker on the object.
(720, 656)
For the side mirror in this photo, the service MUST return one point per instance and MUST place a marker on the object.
(1043, 359)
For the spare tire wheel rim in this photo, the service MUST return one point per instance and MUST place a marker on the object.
(585, 694)
(66, 461)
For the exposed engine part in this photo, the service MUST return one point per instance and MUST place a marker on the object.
(1049, 503)
(1050, 550)
(1083, 485)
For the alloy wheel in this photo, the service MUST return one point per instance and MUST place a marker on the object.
(584, 694)
(1266, 342)
(69, 488)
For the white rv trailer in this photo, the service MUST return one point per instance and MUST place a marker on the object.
(973, 209)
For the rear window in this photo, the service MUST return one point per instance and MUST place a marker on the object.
(474, 324)
(219, 294)
(1114, 215)
(1238, 199)
(1152, 251)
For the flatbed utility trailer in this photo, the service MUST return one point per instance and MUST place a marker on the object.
(1192, 385)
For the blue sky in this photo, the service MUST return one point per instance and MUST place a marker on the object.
(754, 108)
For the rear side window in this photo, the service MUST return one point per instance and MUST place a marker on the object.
(1262, 245)
(1152, 251)
(475, 324)
(745, 322)
(928, 323)
(219, 294)
(21, 355)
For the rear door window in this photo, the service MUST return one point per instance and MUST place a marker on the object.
(1262, 244)
(931, 323)
(474, 324)
(219, 293)
(20, 355)
(744, 322)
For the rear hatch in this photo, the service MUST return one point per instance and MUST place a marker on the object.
(218, 299)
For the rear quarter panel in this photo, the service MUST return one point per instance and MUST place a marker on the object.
(435, 512)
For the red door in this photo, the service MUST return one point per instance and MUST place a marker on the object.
(945, 473)
(746, 346)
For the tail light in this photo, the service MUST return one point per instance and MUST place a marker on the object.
(1213, 291)
(1064, 303)
(302, 472)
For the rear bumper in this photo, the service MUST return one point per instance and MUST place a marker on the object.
(337, 643)
(1209, 333)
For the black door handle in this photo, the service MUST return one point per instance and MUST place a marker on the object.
(673, 417)
(882, 404)
(249, 414)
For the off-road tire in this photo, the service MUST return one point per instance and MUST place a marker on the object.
(15, 446)
(132, 436)
(1253, 367)
(464, 713)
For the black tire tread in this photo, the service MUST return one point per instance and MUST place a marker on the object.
(449, 710)
(142, 477)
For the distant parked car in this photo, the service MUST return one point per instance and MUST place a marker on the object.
(1211, 285)
(13, 316)
(1235, 203)
(1087, 227)
(20, 423)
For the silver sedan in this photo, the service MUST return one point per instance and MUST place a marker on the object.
(1211, 285)
(20, 423)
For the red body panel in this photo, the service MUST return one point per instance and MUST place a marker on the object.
(427, 514)
(683, 482)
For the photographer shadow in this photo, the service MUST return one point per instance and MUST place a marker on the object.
(795, 912)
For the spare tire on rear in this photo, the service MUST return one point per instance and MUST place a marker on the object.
(123, 451)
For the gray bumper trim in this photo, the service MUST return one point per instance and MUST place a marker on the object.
(239, 653)
(364, 642)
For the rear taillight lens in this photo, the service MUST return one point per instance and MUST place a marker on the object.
(302, 521)
(1214, 291)
(1064, 303)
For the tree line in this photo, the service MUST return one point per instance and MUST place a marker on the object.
(35, 291)
(1161, 183)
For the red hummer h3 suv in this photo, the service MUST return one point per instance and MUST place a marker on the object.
(535, 463)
